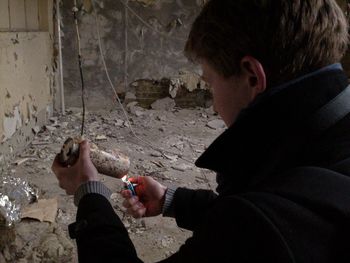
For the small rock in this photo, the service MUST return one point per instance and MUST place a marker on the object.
(156, 154)
(50, 128)
(139, 113)
(101, 138)
(139, 231)
(36, 130)
(131, 104)
(181, 167)
(119, 123)
(129, 96)
(63, 124)
(163, 104)
(216, 124)
(53, 119)
(210, 110)
(115, 197)
(171, 157)
(126, 124)
(161, 118)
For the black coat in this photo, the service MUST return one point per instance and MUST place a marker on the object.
(284, 190)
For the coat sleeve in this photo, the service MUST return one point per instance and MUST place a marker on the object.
(190, 206)
(234, 230)
(100, 234)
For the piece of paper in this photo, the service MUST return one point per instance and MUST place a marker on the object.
(43, 210)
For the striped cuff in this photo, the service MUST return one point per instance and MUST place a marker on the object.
(168, 207)
(91, 187)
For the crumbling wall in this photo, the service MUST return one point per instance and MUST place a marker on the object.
(144, 42)
(26, 74)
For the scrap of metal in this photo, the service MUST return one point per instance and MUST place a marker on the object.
(15, 193)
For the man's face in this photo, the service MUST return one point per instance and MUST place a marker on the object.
(230, 95)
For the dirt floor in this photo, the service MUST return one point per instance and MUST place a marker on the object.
(182, 133)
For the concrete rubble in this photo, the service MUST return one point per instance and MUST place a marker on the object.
(166, 155)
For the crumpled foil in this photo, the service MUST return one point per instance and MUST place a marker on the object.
(14, 193)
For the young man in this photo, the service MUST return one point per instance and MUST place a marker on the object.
(283, 163)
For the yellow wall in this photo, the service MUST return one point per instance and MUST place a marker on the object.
(25, 73)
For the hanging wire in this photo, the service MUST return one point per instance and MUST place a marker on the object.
(75, 13)
(162, 151)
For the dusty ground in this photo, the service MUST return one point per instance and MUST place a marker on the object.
(182, 133)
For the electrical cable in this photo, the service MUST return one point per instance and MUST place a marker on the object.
(75, 11)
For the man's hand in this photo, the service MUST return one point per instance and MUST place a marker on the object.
(149, 200)
(70, 178)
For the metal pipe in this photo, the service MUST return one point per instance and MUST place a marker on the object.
(63, 107)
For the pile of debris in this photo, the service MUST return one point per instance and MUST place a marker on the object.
(164, 143)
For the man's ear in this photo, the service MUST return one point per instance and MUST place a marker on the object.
(254, 73)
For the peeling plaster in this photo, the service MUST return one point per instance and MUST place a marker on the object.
(25, 79)
(12, 123)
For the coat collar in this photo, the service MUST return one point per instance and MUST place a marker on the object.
(267, 137)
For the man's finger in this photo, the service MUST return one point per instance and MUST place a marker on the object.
(136, 213)
(126, 193)
(84, 150)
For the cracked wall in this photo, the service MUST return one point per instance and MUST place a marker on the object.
(144, 42)
(26, 77)
(148, 45)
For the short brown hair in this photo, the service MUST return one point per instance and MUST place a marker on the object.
(289, 38)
